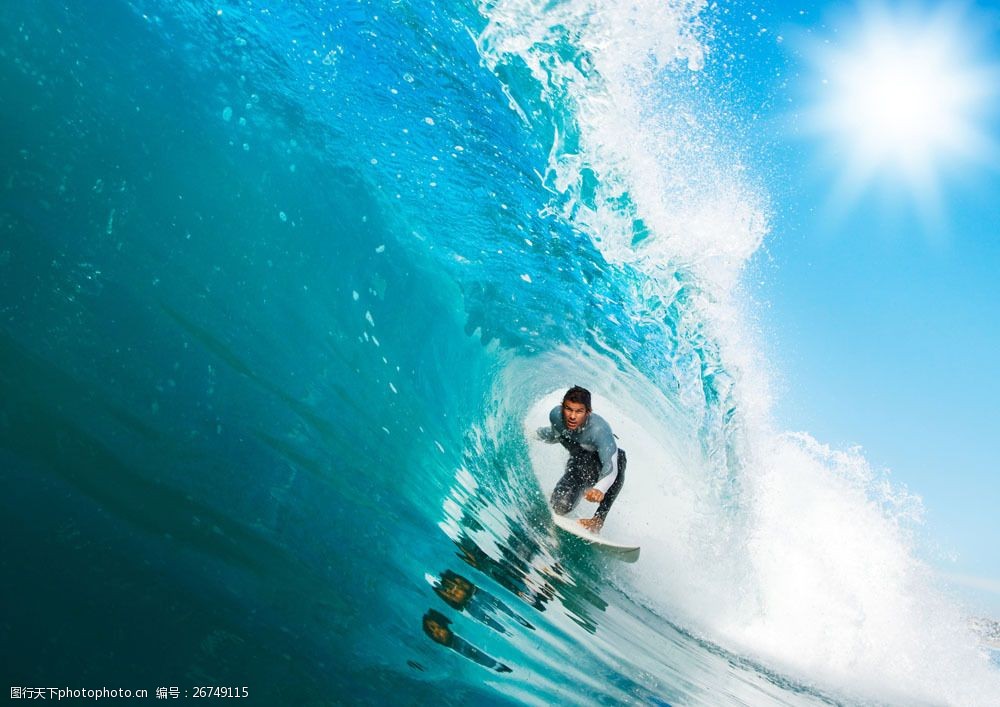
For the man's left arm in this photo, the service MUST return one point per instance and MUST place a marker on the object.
(608, 453)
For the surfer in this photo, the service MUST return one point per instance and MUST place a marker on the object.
(596, 467)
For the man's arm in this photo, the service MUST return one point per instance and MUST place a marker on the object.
(607, 450)
(546, 434)
(604, 484)
(550, 434)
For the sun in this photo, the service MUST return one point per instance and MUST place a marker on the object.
(899, 98)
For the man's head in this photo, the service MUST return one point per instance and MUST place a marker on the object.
(576, 407)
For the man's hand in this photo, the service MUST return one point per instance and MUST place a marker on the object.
(594, 495)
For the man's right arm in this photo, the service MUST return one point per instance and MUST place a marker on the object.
(546, 434)
(550, 434)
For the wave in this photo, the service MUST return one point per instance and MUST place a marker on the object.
(285, 297)
(792, 552)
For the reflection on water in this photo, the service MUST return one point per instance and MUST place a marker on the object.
(527, 603)
(438, 627)
(461, 594)
(505, 550)
(516, 563)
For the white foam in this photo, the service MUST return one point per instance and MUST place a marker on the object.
(835, 589)
(628, 128)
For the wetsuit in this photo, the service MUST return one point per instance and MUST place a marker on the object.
(594, 462)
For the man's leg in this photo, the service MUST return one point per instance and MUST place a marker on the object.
(612, 494)
(581, 473)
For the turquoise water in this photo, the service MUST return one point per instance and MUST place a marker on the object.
(281, 289)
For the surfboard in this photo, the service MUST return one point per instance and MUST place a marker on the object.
(621, 551)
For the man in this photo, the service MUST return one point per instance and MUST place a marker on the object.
(596, 467)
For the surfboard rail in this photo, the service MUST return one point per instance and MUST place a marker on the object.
(628, 553)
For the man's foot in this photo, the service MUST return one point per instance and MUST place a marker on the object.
(594, 524)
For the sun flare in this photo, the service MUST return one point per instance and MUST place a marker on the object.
(899, 99)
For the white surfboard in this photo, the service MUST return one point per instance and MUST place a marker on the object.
(627, 553)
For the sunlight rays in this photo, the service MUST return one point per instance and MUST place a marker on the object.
(899, 101)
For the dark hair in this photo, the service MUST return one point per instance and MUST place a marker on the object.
(576, 394)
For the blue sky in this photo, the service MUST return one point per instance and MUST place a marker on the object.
(880, 282)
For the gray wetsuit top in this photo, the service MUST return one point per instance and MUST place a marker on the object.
(594, 436)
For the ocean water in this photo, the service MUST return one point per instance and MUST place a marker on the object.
(285, 289)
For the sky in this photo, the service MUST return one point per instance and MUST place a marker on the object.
(878, 128)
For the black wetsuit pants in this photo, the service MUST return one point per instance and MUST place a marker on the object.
(582, 471)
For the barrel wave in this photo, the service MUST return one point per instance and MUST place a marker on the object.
(286, 289)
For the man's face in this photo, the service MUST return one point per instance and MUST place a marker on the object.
(574, 414)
